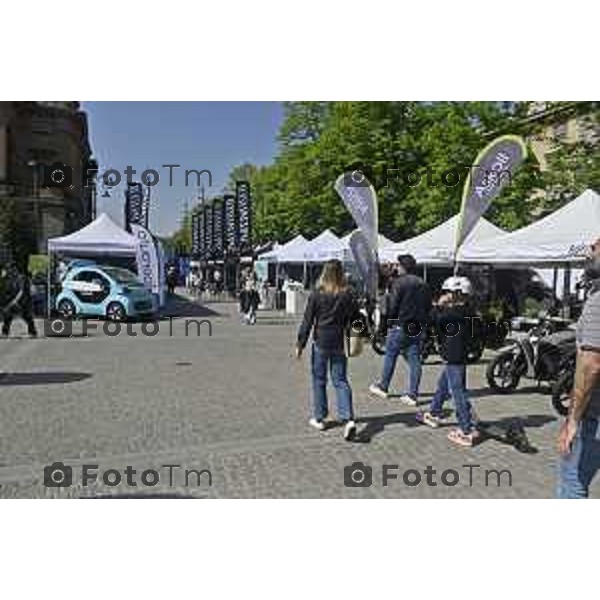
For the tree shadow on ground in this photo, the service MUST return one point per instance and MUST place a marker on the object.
(46, 378)
(178, 306)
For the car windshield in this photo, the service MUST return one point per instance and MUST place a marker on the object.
(122, 275)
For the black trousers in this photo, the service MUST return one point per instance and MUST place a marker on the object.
(25, 313)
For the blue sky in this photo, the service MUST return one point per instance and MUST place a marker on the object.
(197, 135)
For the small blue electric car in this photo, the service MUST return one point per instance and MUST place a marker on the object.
(100, 291)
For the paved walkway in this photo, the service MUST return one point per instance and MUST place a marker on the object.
(236, 404)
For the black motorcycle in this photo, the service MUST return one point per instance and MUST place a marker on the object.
(544, 354)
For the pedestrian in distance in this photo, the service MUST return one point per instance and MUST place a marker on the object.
(172, 278)
(330, 311)
(249, 301)
(452, 320)
(409, 307)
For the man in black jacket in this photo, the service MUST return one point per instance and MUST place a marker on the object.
(20, 301)
(409, 310)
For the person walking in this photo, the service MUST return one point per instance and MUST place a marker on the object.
(452, 319)
(249, 301)
(329, 313)
(408, 314)
(172, 278)
(20, 304)
(579, 438)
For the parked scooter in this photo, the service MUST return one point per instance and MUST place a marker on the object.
(544, 354)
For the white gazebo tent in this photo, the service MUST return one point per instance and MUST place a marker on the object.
(101, 237)
(436, 246)
(559, 240)
(382, 242)
(325, 246)
(289, 248)
(562, 238)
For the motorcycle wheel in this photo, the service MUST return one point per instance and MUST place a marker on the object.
(561, 393)
(504, 373)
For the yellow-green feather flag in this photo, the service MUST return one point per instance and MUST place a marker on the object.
(493, 170)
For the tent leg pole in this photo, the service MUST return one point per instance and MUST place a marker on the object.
(567, 292)
(48, 285)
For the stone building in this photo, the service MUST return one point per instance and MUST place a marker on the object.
(553, 122)
(33, 137)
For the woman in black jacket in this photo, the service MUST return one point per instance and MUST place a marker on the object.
(329, 313)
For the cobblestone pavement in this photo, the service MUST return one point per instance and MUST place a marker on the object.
(235, 403)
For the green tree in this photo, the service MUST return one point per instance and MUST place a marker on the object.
(399, 141)
(574, 164)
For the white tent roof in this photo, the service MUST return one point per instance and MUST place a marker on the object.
(101, 236)
(382, 241)
(325, 246)
(436, 246)
(561, 237)
(291, 251)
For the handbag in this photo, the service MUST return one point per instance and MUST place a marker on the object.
(355, 343)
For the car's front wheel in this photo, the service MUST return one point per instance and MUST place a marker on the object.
(115, 311)
(66, 309)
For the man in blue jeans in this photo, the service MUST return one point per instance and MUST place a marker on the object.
(579, 437)
(408, 313)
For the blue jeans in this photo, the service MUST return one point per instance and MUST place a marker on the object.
(451, 383)
(577, 469)
(338, 368)
(398, 342)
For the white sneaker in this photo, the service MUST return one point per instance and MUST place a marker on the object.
(408, 400)
(317, 424)
(377, 391)
(349, 431)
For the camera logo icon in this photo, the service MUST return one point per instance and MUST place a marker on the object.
(58, 175)
(58, 475)
(58, 327)
(358, 175)
(358, 475)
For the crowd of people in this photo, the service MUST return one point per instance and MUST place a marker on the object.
(332, 309)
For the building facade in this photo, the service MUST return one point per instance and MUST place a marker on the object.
(560, 122)
(34, 136)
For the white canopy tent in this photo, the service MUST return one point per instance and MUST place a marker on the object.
(325, 246)
(382, 242)
(436, 246)
(291, 251)
(562, 238)
(101, 237)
